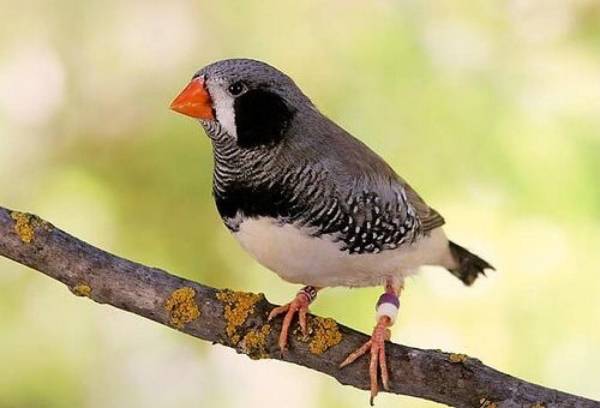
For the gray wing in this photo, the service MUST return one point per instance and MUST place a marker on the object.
(373, 208)
(356, 167)
(430, 219)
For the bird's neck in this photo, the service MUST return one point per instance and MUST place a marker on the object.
(237, 166)
(263, 182)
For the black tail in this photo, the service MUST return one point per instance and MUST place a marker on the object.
(469, 265)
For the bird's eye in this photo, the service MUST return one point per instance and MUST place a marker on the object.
(236, 88)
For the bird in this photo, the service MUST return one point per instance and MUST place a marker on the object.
(311, 202)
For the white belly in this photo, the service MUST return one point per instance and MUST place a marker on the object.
(299, 258)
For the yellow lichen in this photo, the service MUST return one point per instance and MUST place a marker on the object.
(325, 334)
(486, 403)
(82, 289)
(457, 358)
(26, 224)
(238, 306)
(182, 307)
(23, 226)
(254, 343)
(538, 405)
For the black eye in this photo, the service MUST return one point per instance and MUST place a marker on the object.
(236, 88)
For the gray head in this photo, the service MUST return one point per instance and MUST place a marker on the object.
(249, 100)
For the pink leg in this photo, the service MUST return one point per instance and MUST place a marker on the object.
(376, 345)
(299, 305)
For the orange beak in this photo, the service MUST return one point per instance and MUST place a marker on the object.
(194, 101)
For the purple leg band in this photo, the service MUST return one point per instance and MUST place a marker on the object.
(310, 292)
(388, 298)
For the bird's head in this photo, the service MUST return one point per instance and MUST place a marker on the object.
(247, 100)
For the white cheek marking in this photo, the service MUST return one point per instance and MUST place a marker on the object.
(223, 105)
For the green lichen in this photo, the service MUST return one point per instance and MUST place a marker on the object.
(182, 307)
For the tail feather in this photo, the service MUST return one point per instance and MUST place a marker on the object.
(469, 265)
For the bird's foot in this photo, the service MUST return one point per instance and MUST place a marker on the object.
(376, 345)
(387, 310)
(299, 305)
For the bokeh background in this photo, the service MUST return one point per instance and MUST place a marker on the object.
(490, 109)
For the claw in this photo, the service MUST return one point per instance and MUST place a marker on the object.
(356, 354)
(302, 320)
(298, 305)
(376, 346)
(385, 378)
(276, 311)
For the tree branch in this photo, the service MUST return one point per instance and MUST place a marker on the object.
(238, 320)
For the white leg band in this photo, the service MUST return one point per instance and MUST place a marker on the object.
(387, 309)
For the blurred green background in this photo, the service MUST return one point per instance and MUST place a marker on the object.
(490, 109)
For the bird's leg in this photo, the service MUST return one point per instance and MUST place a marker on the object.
(387, 310)
(299, 305)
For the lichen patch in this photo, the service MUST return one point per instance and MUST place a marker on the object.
(254, 343)
(538, 405)
(457, 358)
(237, 307)
(23, 226)
(486, 403)
(82, 289)
(26, 224)
(182, 307)
(325, 334)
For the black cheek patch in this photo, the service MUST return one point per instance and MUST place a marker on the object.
(261, 118)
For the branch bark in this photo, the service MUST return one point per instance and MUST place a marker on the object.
(238, 320)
